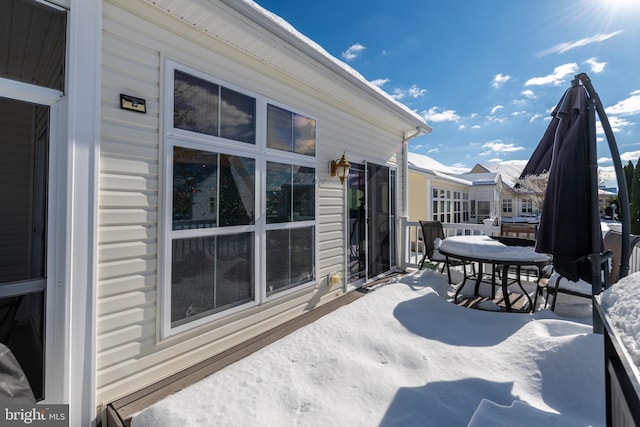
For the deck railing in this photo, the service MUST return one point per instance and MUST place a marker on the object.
(412, 247)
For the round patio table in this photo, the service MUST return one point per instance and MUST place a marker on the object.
(499, 252)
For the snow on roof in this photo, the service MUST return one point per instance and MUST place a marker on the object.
(481, 178)
(431, 166)
(427, 163)
(509, 171)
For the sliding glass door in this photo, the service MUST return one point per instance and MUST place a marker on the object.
(371, 204)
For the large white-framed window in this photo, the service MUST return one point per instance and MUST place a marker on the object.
(449, 205)
(507, 205)
(239, 224)
(527, 207)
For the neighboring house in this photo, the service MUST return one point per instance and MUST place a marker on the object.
(485, 197)
(442, 193)
(165, 186)
(512, 203)
(606, 196)
(436, 192)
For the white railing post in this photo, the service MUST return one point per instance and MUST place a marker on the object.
(404, 242)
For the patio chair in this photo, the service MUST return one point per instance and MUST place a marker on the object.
(14, 387)
(561, 285)
(432, 232)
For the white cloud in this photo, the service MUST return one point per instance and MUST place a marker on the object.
(353, 52)
(528, 93)
(564, 47)
(535, 117)
(496, 108)
(626, 107)
(413, 92)
(604, 160)
(462, 127)
(380, 82)
(433, 150)
(498, 146)
(632, 156)
(437, 114)
(518, 113)
(499, 80)
(556, 78)
(496, 119)
(596, 67)
(475, 127)
(617, 124)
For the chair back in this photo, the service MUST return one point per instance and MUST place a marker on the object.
(613, 242)
(431, 230)
(519, 229)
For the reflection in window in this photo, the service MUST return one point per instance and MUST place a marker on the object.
(290, 258)
(204, 107)
(290, 131)
(210, 274)
(211, 189)
(290, 193)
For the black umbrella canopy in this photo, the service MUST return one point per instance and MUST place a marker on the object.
(565, 229)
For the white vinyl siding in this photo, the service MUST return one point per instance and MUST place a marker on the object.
(137, 37)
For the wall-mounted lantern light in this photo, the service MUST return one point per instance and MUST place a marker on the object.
(340, 168)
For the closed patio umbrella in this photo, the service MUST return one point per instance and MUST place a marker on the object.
(570, 224)
(565, 224)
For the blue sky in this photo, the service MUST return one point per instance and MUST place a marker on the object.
(486, 74)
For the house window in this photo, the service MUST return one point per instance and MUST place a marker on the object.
(227, 153)
(507, 205)
(289, 131)
(208, 108)
(527, 206)
(465, 207)
(290, 238)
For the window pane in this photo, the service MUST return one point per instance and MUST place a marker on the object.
(302, 254)
(279, 128)
(194, 188)
(237, 116)
(195, 104)
(278, 192)
(303, 193)
(278, 260)
(33, 43)
(304, 135)
(237, 190)
(210, 274)
(290, 258)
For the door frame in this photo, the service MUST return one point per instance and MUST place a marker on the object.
(55, 306)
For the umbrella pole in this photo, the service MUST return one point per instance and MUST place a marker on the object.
(596, 233)
(621, 181)
(595, 105)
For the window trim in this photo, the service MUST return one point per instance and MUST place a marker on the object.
(171, 137)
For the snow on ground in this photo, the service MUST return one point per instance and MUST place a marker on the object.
(404, 355)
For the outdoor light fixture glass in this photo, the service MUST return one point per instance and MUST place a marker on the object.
(340, 168)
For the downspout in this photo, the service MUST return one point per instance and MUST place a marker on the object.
(404, 216)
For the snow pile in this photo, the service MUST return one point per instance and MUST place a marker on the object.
(621, 303)
(404, 355)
